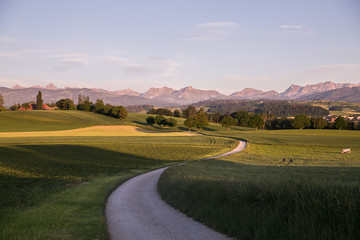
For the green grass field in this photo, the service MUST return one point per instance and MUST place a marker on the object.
(54, 182)
(349, 109)
(23, 121)
(57, 169)
(287, 184)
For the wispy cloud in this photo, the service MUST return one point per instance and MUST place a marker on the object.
(167, 67)
(218, 25)
(212, 31)
(292, 27)
(71, 64)
(115, 59)
(136, 69)
(336, 69)
(297, 29)
(67, 55)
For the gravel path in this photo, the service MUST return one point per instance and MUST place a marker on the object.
(135, 211)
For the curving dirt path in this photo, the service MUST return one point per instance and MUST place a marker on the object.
(135, 211)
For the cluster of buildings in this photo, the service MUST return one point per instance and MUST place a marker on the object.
(33, 107)
(331, 118)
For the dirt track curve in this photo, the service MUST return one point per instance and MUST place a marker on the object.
(135, 211)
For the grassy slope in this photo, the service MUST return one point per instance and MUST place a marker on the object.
(56, 187)
(280, 187)
(21, 121)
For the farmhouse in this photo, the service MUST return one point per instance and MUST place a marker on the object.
(33, 107)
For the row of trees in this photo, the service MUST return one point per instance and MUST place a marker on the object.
(165, 112)
(37, 105)
(84, 104)
(261, 120)
(161, 121)
(1, 103)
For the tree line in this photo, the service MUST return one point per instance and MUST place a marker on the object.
(84, 104)
(161, 121)
(200, 119)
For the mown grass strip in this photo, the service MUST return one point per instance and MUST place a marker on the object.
(74, 213)
(58, 191)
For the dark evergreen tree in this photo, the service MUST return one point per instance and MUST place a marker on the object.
(39, 101)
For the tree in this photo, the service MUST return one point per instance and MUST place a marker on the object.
(318, 123)
(190, 111)
(340, 123)
(84, 103)
(15, 107)
(256, 121)
(171, 122)
(201, 121)
(161, 111)
(65, 104)
(99, 106)
(26, 105)
(189, 123)
(1, 101)
(227, 122)
(242, 117)
(300, 121)
(177, 113)
(39, 101)
(216, 117)
(152, 111)
(164, 112)
(150, 120)
(160, 120)
(119, 112)
(107, 109)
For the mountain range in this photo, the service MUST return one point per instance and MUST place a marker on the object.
(166, 96)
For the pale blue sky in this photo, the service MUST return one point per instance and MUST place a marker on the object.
(225, 45)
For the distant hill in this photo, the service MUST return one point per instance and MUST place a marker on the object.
(183, 96)
(342, 94)
(165, 96)
(295, 91)
(277, 107)
(12, 96)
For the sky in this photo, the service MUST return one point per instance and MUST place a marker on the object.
(226, 45)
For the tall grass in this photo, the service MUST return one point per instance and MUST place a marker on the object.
(258, 202)
(289, 184)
